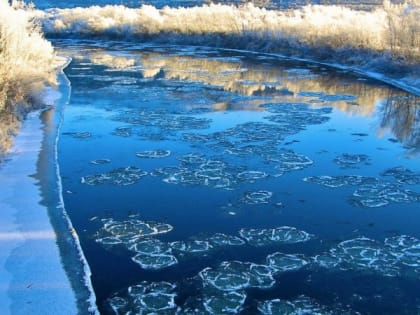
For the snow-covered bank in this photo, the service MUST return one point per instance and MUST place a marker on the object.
(32, 280)
(384, 41)
(42, 268)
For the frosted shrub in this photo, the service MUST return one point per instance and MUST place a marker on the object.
(26, 58)
(335, 29)
(404, 28)
(27, 63)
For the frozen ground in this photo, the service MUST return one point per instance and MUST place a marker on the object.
(32, 278)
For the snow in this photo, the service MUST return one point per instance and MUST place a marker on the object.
(34, 278)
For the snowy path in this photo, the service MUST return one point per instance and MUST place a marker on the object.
(32, 278)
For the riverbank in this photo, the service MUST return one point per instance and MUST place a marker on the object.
(42, 267)
(32, 280)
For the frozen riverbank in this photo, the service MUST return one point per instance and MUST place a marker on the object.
(32, 278)
(42, 269)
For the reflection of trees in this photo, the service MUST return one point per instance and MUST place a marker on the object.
(271, 79)
(402, 117)
(9, 125)
(266, 78)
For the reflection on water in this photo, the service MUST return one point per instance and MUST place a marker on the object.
(401, 116)
(271, 78)
(9, 126)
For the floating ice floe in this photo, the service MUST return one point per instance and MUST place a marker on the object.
(166, 171)
(251, 176)
(220, 239)
(302, 305)
(191, 247)
(296, 116)
(100, 161)
(278, 235)
(123, 132)
(256, 131)
(230, 302)
(204, 243)
(327, 261)
(195, 137)
(121, 176)
(118, 305)
(280, 262)
(149, 246)
(255, 140)
(236, 275)
(152, 254)
(381, 194)
(153, 154)
(109, 241)
(406, 249)
(196, 169)
(361, 254)
(213, 164)
(371, 192)
(162, 119)
(351, 160)
(145, 298)
(290, 161)
(364, 253)
(154, 261)
(130, 232)
(257, 197)
(403, 175)
(342, 180)
(192, 158)
(398, 255)
(210, 178)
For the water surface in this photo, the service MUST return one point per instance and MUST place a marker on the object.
(219, 181)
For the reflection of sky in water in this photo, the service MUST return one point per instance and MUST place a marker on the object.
(175, 172)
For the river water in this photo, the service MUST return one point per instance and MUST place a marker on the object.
(204, 180)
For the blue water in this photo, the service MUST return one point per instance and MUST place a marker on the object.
(232, 142)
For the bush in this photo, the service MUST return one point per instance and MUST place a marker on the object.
(26, 58)
(27, 64)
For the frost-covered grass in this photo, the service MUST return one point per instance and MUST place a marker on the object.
(391, 29)
(381, 41)
(27, 64)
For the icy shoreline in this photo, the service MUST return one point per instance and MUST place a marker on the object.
(31, 282)
(43, 270)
